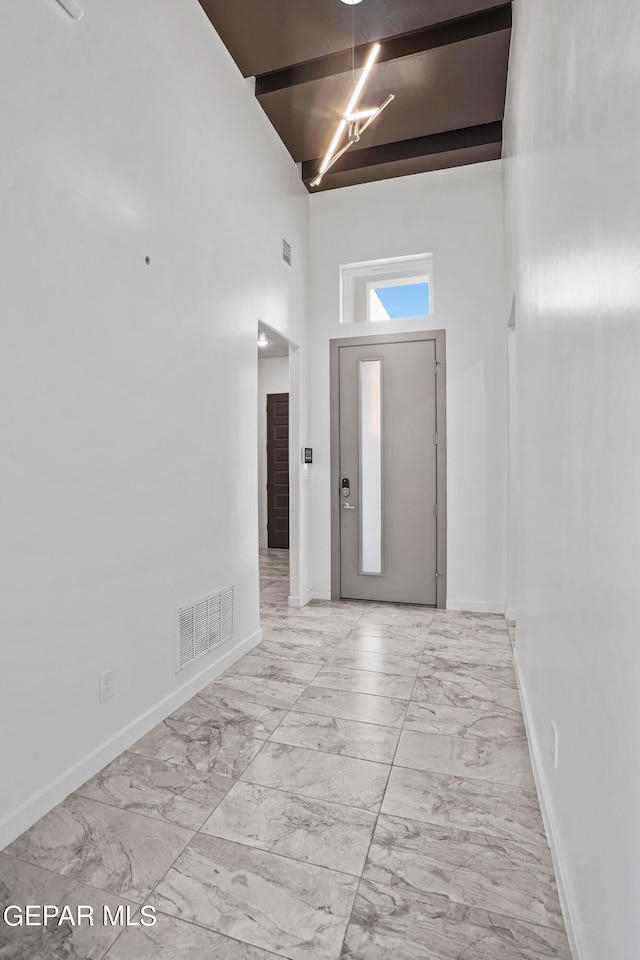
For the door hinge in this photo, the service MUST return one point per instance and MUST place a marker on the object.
(436, 364)
(436, 510)
(435, 439)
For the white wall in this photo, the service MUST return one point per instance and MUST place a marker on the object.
(273, 377)
(573, 205)
(129, 480)
(456, 215)
(513, 504)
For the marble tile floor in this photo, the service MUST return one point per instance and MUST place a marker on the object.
(357, 787)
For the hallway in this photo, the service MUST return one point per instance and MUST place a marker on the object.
(358, 786)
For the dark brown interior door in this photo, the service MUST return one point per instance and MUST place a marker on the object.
(278, 470)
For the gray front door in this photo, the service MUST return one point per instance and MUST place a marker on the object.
(388, 469)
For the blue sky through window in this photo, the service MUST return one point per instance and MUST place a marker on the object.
(405, 300)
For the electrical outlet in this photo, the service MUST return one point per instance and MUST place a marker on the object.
(555, 745)
(106, 685)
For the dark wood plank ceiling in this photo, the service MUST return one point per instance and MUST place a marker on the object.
(445, 61)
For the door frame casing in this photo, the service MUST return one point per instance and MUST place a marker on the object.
(438, 337)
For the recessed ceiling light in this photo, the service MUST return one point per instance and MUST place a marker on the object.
(351, 2)
(263, 340)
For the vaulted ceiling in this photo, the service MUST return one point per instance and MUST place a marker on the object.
(445, 61)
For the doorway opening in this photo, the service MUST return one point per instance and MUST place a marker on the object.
(278, 390)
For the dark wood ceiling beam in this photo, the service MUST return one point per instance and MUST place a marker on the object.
(393, 48)
(446, 142)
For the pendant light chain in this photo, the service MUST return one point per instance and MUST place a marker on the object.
(353, 45)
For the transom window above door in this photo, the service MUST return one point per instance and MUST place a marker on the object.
(400, 288)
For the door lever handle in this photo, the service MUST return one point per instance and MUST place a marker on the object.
(347, 506)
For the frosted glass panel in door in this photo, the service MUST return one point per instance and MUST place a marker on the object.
(370, 430)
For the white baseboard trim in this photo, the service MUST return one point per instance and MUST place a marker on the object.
(477, 606)
(301, 601)
(511, 613)
(555, 846)
(46, 799)
(321, 594)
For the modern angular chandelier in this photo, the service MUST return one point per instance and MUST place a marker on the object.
(354, 121)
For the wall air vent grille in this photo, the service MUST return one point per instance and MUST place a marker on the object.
(286, 252)
(204, 625)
